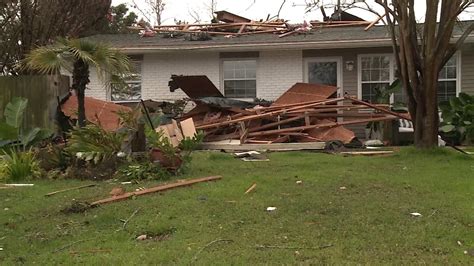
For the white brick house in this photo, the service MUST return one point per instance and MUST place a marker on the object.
(264, 66)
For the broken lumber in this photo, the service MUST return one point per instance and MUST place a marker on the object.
(322, 125)
(252, 187)
(265, 147)
(379, 108)
(68, 189)
(155, 189)
(277, 112)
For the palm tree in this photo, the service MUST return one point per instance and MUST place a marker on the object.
(76, 56)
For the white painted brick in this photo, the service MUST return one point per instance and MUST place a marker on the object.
(276, 72)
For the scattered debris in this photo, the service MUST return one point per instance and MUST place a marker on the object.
(210, 244)
(156, 189)
(459, 243)
(288, 247)
(416, 214)
(299, 182)
(141, 237)
(18, 185)
(270, 209)
(125, 222)
(117, 191)
(305, 113)
(98, 112)
(251, 156)
(367, 153)
(251, 188)
(342, 188)
(69, 189)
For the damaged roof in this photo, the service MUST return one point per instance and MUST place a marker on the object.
(318, 37)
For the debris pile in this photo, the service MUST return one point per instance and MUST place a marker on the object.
(231, 25)
(304, 113)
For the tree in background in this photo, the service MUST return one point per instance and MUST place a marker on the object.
(26, 24)
(152, 10)
(76, 56)
(118, 20)
(421, 50)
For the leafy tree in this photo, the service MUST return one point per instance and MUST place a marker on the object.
(118, 21)
(76, 56)
(26, 24)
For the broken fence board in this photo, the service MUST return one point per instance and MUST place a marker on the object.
(265, 147)
(156, 189)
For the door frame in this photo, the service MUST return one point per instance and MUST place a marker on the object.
(337, 59)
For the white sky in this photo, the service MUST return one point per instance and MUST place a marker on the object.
(293, 10)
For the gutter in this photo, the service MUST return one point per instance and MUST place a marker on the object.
(382, 42)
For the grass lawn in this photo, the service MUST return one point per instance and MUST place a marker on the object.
(369, 222)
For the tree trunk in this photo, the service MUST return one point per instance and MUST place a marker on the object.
(80, 78)
(426, 118)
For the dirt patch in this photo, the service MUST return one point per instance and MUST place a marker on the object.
(76, 207)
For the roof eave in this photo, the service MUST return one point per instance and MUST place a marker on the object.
(383, 42)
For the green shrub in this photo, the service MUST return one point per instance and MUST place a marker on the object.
(458, 118)
(93, 144)
(20, 165)
(142, 171)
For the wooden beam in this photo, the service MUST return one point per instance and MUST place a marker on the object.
(156, 189)
(321, 125)
(265, 147)
(269, 114)
(379, 108)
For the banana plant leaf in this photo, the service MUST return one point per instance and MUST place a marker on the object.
(14, 111)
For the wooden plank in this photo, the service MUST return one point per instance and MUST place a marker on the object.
(156, 189)
(366, 153)
(274, 124)
(373, 23)
(321, 125)
(269, 114)
(379, 108)
(265, 147)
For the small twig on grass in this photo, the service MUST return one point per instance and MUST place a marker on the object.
(125, 222)
(72, 244)
(68, 189)
(432, 213)
(286, 247)
(210, 244)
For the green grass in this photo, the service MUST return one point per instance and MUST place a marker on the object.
(367, 223)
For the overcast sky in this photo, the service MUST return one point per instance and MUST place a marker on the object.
(293, 10)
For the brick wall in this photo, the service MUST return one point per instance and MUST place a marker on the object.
(277, 71)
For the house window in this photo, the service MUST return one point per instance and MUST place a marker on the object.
(240, 78)
(132, 89)
(376, 72)
(447, 80)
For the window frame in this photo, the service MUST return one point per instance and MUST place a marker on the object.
(359, 72)
(325, 59)
(223, 79)
(128, 82)
(458, 73)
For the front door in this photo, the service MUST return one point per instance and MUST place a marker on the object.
(323, 70)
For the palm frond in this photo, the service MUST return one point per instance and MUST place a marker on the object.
(45, 60)
(82, 50)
